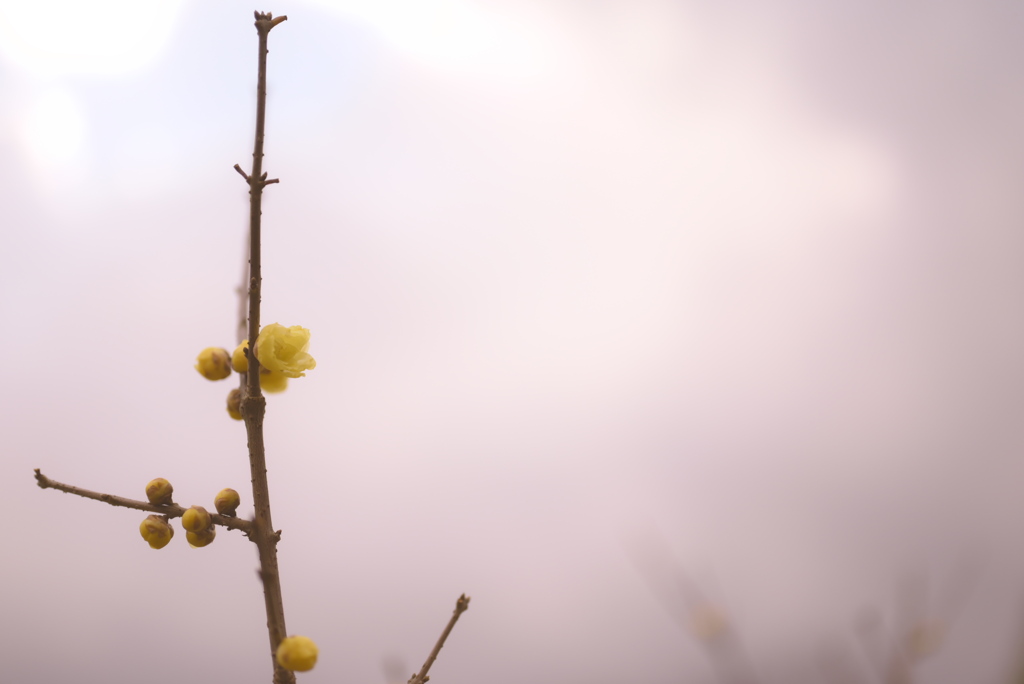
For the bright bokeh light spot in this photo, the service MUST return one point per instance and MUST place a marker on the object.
(54, 129)
(99, 37)
(454, 35)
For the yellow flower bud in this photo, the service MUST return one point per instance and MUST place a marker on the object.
(159, 491)
(156, 531)
(285, 350)
(235, 404)
(273, 381)
(202, 538)
(238, 359)
(214, 363)
(227, 501)
(195, 519)
(297, 653)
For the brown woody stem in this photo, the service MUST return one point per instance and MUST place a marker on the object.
(254, 404)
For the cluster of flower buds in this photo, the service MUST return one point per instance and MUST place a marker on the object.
(199, 528)
(155, 529)
(297, 653)
(283, 353)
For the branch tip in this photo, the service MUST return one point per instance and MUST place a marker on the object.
(461, 606)
(267, 21)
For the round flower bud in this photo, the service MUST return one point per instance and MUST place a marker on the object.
(238, 359)
(202, 538)
(273, 382)
(214, 363)
(159, 491)
(285, 350)
(227, 501)
(297, 653)
(195, 519)
(235, 404)
(156, 531)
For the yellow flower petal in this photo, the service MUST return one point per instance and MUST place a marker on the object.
(285, 350)
(273, 381)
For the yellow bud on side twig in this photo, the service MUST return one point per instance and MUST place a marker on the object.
(159, 491)
(195, 519)
(227, 501)
(156, 531)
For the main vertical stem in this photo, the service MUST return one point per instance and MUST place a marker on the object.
(254, 405)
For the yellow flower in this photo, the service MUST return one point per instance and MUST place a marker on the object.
(273, 381)
(238, 359)
(214, 363)
(235, 404)
(285, 350)
(297, 653)
(156, 531)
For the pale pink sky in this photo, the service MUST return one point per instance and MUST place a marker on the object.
(600, 292)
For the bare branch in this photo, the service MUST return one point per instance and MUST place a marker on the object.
(242, 173)
(254, 404)
(461, 606)
(170, 510)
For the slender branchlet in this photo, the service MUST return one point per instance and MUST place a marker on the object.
(171, 510)
(461, 606)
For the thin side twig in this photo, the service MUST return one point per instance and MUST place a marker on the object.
(171, 510)
(461, 606)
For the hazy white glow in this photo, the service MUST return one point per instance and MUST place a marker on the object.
(453, 35)
(102, 37)
(54, 129)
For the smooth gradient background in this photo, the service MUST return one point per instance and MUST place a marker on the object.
(615, 304)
